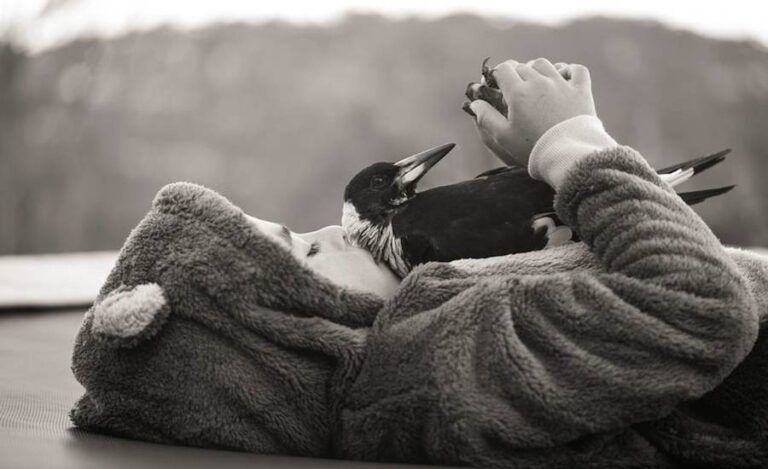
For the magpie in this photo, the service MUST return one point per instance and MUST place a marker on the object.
(501, 211)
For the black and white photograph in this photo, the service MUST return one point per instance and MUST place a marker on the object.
(383, 234)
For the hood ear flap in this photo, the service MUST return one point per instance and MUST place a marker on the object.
(129, 315)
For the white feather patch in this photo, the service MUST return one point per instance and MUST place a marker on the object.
(380, 241)
(678, 177)
(556, 235)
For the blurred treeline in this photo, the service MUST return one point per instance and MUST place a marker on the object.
(278, 117)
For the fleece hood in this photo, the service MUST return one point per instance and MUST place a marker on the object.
(208, 333)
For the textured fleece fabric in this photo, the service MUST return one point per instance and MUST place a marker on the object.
(615, 353)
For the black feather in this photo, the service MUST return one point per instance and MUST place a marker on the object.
(695, 197)
(698, 164)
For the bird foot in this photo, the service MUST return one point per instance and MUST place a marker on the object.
(487, 73)
(487, 90)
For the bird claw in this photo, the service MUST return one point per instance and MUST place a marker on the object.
(487, 90)
(487, 73)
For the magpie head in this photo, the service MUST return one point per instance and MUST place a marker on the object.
(376, 191)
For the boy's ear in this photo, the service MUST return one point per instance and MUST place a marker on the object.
(129, 315)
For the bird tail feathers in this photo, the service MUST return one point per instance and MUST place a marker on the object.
(695, 197)
(679, 173)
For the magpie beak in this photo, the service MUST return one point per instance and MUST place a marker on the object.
(413, 168)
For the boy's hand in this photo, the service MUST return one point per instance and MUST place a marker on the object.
(538, 97)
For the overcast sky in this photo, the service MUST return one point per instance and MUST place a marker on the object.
(67, 19)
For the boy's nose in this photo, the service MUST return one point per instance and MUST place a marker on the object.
(330, 237)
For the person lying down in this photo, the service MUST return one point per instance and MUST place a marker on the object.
(639, 347)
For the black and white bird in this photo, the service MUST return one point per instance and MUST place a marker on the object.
(499, 212)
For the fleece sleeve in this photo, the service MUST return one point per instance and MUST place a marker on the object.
(543, 360)
(667, 318)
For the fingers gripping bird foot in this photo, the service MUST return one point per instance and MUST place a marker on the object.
(487, 90)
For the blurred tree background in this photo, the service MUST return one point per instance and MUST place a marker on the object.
(278, 117)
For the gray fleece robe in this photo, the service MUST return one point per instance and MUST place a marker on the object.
(617, 353)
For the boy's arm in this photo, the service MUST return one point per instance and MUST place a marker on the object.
(669, 318)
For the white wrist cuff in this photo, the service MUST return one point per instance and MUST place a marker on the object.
(564, 145)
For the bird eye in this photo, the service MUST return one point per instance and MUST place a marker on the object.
(378, 182)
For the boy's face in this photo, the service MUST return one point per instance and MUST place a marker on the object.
(328, 253)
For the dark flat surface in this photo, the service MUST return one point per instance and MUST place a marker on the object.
(37, 390)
